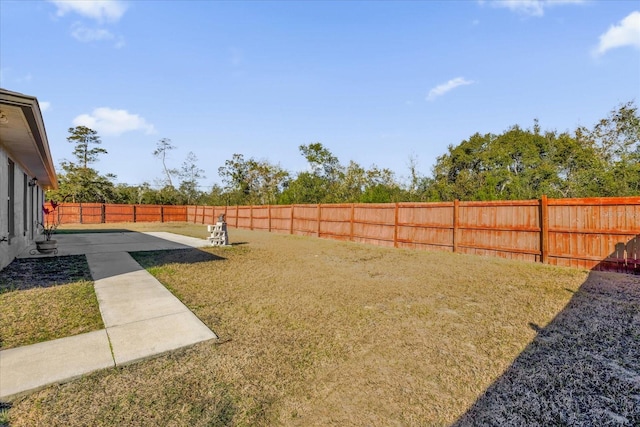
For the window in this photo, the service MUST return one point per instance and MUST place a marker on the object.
(11, 198)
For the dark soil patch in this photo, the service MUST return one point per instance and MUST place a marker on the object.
(31, 273)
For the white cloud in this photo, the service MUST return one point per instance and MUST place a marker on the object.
(627, 33)
(44, 105)
(108, 121)
(530, 7)
(100, 10)
(446, 87)
(86, 34)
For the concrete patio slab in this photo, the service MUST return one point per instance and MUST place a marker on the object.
(111, 264)
(127, 297)
(34, 366)
(100, 243)
(177, 238)
(142, 318)
(122, 303)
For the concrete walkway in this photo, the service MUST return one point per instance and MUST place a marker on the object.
(141, 317)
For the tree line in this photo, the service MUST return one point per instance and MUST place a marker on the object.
(517, 164)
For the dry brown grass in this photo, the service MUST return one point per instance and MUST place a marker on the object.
(318, 332)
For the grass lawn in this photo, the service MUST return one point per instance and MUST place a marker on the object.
(317, 332)
(46, 298)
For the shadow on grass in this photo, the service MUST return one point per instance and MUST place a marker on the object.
(148, 259)
(31, 273)
(582, 369)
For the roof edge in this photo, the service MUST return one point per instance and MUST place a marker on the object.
(31, 108)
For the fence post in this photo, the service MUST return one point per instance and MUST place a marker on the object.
(103, 213)
(353, 215)
(456, 206)
(161, 213)
(544, 230)
(236, 216)
(318, 225)
(291, 221)
(395, 227)
(80, 213)
(135, 207)
(269, 214)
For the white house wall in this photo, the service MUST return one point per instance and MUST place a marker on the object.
(25, 225)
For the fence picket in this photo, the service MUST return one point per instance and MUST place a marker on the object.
(594, 233)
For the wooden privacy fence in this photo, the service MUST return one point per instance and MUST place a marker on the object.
(592, 233)
(101, 213)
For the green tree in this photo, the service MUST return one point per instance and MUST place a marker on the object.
(319, 184)
(518, 164)
(305, 188)
(525, 164)
(353, 183)
(190, 174)
(617, 141)
(215, 197)
(373, 185)
(415, 178)
(250, 181)
(322, 161)
(83, 185)
(84, 138)
(168, 195)
(78, 182)
(382, 187)
(134, 194)
(271, 180)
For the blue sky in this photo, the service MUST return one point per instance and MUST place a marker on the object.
(375, 82)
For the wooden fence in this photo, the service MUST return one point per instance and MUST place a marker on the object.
(591, 233)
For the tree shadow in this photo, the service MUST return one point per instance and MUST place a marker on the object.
(583, 368)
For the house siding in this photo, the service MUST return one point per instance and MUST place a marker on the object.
(25, 229)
